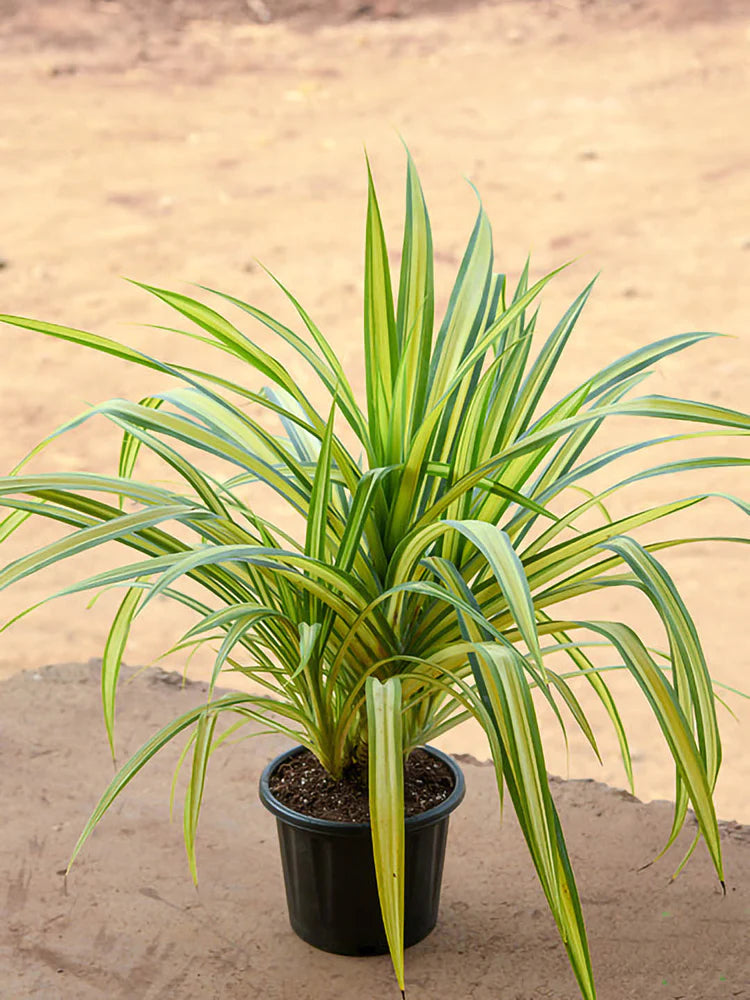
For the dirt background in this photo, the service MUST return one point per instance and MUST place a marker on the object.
(180, 142)
(130, 925)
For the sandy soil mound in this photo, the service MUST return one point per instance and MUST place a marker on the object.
(78, 24)
(307, 12)
(130, 924)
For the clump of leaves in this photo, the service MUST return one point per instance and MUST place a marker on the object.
(421, 588)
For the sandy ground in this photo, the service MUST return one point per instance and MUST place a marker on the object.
(181, 148)
(130, 924)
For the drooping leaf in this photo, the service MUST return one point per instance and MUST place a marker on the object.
(386, 792)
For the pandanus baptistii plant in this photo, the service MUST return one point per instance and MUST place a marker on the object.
(421, 586)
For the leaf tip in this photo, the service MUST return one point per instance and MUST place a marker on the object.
(194, 873)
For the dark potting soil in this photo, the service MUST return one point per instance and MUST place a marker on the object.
(302, 784)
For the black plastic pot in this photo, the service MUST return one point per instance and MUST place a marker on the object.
(329, 873)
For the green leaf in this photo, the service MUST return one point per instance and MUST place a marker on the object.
(131, 444)
(507, 697)
(149, 749)
(114, 649)
(495, 546)
(93, 340)
(386, 791)
(87, 538)
(675, 727)
(308, 636)
(381, 341)
(329, 372)
(692, 682)
(416, 303)
(194, 792)
(643, 357)
(538, 378)
(583, 664)
(537, 440)
(319, 510)
(13, 521)
(465, 312)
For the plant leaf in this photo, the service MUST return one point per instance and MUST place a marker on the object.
(386, 784)
(381, 342)
(112, 657)
(194, 793)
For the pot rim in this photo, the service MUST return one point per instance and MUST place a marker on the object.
(342, 828)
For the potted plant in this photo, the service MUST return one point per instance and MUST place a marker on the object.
(422, 585)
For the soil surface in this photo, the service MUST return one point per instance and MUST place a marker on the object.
(129, 924)
(178, 142)
(302, 784)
